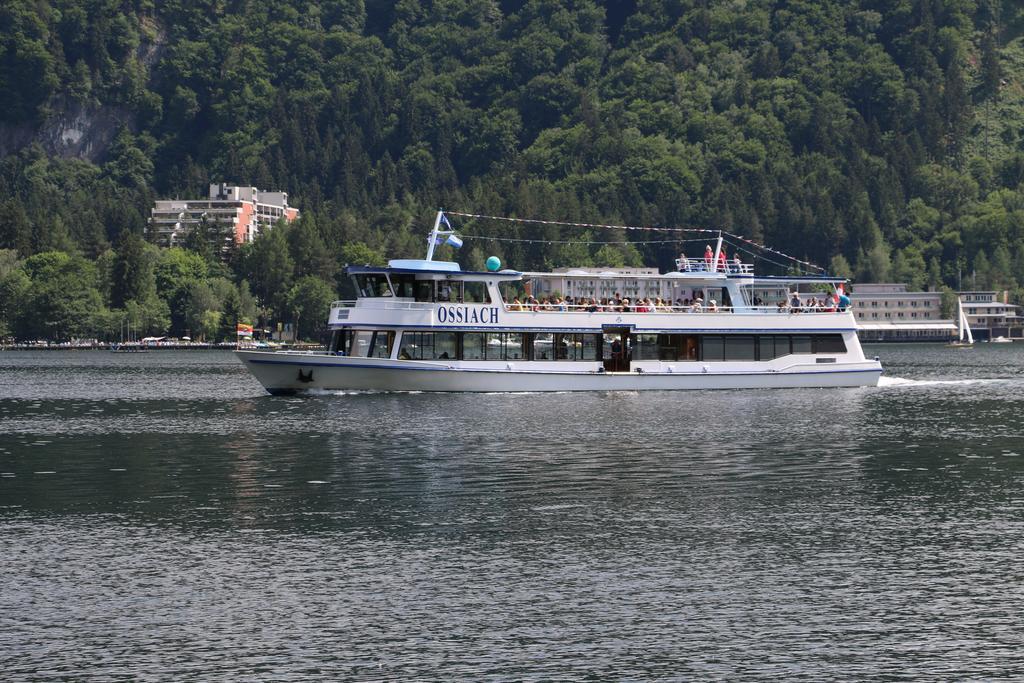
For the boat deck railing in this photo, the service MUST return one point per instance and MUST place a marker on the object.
(693, 308)
(387, 303)
(701, 265)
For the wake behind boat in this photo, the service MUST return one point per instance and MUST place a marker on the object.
(426, 325)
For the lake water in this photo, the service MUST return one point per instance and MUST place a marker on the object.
(162, 518)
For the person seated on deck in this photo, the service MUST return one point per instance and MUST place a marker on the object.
(561, 305)
(712, 306)
(592, 306)
(683, 265)
(404, 354)
(737, 265)
(794, 302)
(697, 306)
(517, 305)
(627, 307)
(844, 302)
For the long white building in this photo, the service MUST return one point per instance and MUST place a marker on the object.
(888, 312)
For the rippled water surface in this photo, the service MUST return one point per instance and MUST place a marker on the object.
(161, 518)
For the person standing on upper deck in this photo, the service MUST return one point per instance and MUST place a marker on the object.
(709, 256)
(721, 261)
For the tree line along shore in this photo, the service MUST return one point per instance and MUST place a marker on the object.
(882, 140)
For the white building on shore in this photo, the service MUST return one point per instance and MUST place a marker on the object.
(238, 213)
(991, 315)
(888, 312)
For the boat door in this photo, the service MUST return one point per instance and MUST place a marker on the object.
(615, 348)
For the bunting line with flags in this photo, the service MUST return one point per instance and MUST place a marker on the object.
(702, 231)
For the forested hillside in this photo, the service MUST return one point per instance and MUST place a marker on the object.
(881, 138)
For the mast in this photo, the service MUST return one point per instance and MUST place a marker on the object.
(718, 250)
(432, 240)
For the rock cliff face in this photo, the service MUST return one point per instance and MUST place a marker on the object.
(77, 130)
(72, 130)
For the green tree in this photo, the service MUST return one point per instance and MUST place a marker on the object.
(268, 266)
(133, 276)
(358, 254)
(310, 303)
(61, 301)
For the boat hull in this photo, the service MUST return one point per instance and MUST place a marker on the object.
(292, 373)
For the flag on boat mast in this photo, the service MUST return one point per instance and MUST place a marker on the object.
(449, 238)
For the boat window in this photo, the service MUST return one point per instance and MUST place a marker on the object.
(510, 289)
(569, 346)
(515, 346)
(802, 343)
(829, 343)
(381, 345)
(645, 347)
(360, 343)
(670, 347)
(475, 293)
(339, 342)
(739, 347)
(372, 285)
(423, 290)
(692, 347)
(446, 345)
(543, 346)
(766, 348)
(416, 346)
(449, 290)
(712, 347)
(782, 346)
(588, 348)
(404, 285)
(474, 345)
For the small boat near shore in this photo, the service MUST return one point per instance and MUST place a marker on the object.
(426, 325)
(963, 328)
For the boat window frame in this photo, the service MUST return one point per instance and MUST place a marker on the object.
(361, 291)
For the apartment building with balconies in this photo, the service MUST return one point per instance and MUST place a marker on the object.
(236, 213)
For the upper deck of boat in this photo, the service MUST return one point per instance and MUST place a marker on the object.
(697, 287)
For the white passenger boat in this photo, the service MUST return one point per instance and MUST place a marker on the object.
(426, 325)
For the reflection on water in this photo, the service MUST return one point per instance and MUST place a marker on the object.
(161, 517)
